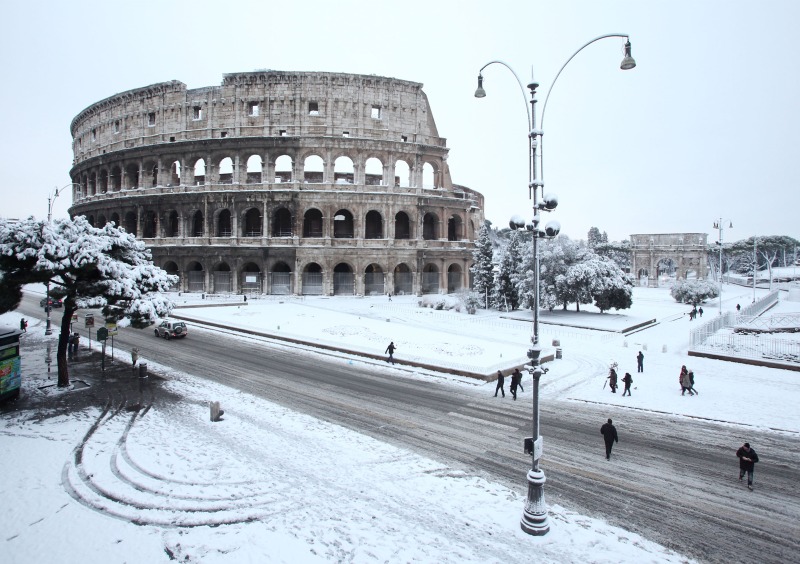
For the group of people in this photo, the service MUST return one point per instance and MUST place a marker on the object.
(695, 311)
(612, 377)
(516, 382)
(686, 380)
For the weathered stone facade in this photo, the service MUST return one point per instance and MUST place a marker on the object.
(281, 182)
(683, 252)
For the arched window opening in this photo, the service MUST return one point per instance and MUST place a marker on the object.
(373, 172)
(312, 223)
(115, 219)
(282, 223)
(343, 172)
(281, 279)
(115, 179)
(403, 280)
(430, 227)
(374, 281)
(454, 229)
(373, 229)
(103, 181)
(226, 171)
(313, 170)
(344, 280)
(198, 229)
(224, 224)
(130, 223)
(222, 279)
(430, 279)
(254, 167)
(251, 278)
(101, 221)
(196, 277)
(92, 189)
(312, 279)
(172, 224)
(666, 270)
(252, 223)
(283, 169)
(172, 268)
(90, 220)
(402, 174)
(175, 173)
(402, 226)
(428, 176)
(343, 225)
(132, 176)
(149, 225)
(199, 172)
(454, 278)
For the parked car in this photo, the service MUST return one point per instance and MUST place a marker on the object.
(53, 302)
(170, 328)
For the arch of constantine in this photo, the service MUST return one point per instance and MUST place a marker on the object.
(660, 257)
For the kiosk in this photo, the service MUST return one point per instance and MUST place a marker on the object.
(10, 365)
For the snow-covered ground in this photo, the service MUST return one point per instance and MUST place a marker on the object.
(248, 488)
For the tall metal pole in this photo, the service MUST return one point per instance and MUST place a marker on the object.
(720, 266)
(755, 268)
(50, 200)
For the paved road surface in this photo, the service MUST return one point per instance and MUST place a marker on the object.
(672, 479)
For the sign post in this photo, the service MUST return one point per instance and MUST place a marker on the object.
(102, 335)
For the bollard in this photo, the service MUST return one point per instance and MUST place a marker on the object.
(556, 343)
(625, 344)
(644, 347)
(216, 412)
(558, 352)
(142, 370)
(664, 349)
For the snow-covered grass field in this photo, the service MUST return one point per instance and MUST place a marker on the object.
(254, 472)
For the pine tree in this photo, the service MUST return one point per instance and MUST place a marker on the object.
(506, 295)
(483, 266)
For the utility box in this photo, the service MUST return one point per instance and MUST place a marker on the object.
(10, 363)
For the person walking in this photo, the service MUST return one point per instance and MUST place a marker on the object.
(612, 380)
(691, 382)
(685, 381)
(513, 386)
(390, 349)
(700, 311)
(23, 325)
(640, 362)
(518, 375)
(628, 380)
(610, 437)
(500, 380)
(747, 461)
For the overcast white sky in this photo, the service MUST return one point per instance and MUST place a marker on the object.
(707, 120)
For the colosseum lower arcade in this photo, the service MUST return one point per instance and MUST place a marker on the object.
(280, 183)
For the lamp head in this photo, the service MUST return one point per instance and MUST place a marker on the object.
(627, 62)
(480, 92)
(516, 222)
(549, 201)
(552, 229)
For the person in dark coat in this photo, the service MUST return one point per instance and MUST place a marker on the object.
(516, 379)
(640, 362)
(23, 325)
(390, 349)
(628, 380)
(747, 461)
(700, 311)
(685, 381)
(610, 437)
(612, 380)
(518, 374)
(500, 380)
(691, 382)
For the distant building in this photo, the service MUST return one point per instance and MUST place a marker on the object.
(658, 259)
(282, 183)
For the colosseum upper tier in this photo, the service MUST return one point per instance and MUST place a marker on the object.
(280, 183)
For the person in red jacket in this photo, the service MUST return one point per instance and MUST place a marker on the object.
(747, 461)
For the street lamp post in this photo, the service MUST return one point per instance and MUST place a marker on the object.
(534, 518)
(718, 226)
(51, 198)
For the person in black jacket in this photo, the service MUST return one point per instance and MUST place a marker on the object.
(500, 380)
(747, 461)
(610, 437)
(390, 349)
(640, 362)
(627, 380)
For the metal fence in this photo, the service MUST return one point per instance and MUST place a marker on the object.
(196, 280)
(373, 284)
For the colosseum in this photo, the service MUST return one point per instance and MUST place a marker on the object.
(307, 183)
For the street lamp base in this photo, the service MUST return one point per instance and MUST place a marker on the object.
(534, 518)
(48, 331)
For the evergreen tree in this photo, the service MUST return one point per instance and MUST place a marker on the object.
(506, 295)
(594, 237)
(483, 266)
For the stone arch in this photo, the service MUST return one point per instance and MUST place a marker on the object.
(222, 278)
(402, 174)
(686, 251)
(374, 280)
(90, 219)
(199, 172)
(115, 179)
(103, 187)
(455, 228)
(373, 172)
(281, 279)
(430, 227)
(171, 228)
(283, 169)
(198, 224)
(344, 281)
(373, 225)
(343, 170)
(115, 219)
(313, 223)
(224, 223)
(151, 174)
(429, 175)
(149, 224)
(312, 279)
(195, 277)
(255, 166)
(171, 267)
(132, 177)
(101, 221)
(252, 223)
(430, 279)
(282, 222)
(403, 280)
(313, 169)
(455, 278)
(343, 225)
(175, 173)
(402, 226)
(131, 223)
(250, 278)
(225, 170)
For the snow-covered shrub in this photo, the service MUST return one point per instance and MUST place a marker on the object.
(693, 291)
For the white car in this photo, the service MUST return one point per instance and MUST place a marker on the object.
(170, 328)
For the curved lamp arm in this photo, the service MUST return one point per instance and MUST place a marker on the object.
(52, 198)
(519, 82)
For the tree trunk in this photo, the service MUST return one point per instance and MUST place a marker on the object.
(63, 341)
